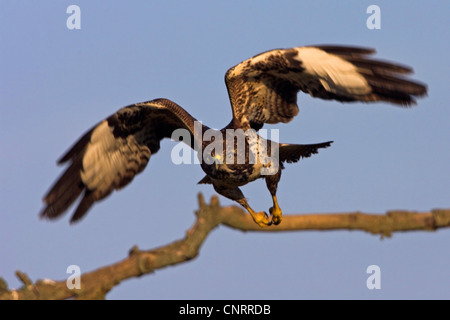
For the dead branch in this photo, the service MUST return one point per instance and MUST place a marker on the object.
(96, 284)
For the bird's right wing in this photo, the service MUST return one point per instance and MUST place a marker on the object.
(112, 153)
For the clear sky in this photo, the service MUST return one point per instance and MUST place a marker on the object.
(56, 83)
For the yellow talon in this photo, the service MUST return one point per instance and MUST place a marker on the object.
(260, 218)
(275, 211)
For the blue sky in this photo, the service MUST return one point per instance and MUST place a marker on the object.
(56, 83)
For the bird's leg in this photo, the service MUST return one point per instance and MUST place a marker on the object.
(234, 193)
(261, 218)
(275, 211)
(272, 185)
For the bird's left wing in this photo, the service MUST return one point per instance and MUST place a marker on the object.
(112, 153)
(263, 89)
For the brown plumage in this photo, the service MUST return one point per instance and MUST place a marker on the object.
(262, 89)
(112, 153)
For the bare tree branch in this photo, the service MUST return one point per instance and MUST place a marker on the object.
(96, 284)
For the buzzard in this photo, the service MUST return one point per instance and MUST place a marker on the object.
(262, 89)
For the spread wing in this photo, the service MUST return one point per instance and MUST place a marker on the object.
(112, 153)
(263, 89)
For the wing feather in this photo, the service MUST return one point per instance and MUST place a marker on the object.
(111, 154)
(263, 89)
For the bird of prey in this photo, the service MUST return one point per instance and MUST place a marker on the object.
(262, 89)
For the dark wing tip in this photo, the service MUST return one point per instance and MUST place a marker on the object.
(83, 207)
(77, 148)
(384, 77)
(394, 89)
(346, 50)
(48, 213)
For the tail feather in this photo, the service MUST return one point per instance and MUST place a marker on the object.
(205, 180)
(291, 153)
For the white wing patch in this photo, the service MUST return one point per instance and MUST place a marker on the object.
(335, 74)
(100, 161)
(112, 162)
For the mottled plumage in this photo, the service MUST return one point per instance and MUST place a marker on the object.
(109, 155)
(262, 89)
